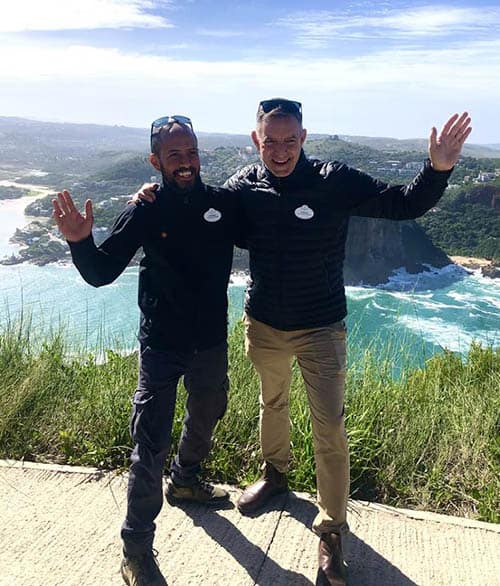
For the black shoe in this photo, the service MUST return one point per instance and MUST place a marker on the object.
(142, 570)
(257, 495)
(200, 492)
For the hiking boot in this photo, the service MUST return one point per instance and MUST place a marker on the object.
(200, 492)
(255, 496)
(331, 571)
(142, 570)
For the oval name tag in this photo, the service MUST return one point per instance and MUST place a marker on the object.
(304, 212)
(212, 215)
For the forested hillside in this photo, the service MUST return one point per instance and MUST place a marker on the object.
(87, 159)
(467, 221)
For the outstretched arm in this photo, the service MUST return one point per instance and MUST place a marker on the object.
(404, 202)
(98, 265)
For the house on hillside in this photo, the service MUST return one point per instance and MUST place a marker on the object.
(484, 177)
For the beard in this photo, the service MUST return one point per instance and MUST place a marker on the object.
(177, 185)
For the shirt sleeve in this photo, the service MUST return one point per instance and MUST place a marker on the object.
(397, 202)
(102, 265)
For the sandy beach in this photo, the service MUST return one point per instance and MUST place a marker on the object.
(12, 213)
(471, 262)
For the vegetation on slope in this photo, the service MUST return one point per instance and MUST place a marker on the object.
(429, 440)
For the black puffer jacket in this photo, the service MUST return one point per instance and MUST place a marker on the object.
(296, 229)
(187, 242)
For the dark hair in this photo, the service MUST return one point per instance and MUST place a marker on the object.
(157, 139)
(279, 108)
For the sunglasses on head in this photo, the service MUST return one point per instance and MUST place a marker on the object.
(160, 123)
(290, 106)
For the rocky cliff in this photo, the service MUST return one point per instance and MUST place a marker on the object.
(376, 248)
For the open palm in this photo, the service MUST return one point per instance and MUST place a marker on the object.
(72, 224)
(445, 149)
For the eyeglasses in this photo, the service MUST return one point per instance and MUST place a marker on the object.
(160, 123)
(289, 106)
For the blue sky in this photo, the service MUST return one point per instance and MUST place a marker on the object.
(378, 69)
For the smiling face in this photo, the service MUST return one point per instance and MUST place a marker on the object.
(177, 157)
(279, 140)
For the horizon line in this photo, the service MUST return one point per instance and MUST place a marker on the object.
(146, 129)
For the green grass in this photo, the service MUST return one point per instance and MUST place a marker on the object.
(428, 440)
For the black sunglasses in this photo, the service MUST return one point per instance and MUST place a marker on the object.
(290, 106)
(160, 123)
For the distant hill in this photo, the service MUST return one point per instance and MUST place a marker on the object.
(19, 131)
(211, 140)
(336, 149)
(419, 144)
(107, 163)
(23, 133)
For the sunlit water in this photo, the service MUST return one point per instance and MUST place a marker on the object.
(409, 319)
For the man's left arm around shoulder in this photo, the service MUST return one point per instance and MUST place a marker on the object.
(411, 201)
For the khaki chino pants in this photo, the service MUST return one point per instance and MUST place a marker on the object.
(321, 355)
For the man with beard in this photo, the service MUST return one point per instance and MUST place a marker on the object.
(296, 213)
(187, 238)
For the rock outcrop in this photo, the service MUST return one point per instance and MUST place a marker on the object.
(375, 248)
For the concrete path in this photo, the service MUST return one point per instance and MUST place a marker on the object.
(60, 526)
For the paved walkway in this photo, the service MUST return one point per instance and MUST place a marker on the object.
(60, 525)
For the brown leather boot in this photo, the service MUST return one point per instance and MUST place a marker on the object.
(331, 570)
(258, 494)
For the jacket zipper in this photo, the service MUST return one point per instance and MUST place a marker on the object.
(280, 246)
(187, 202)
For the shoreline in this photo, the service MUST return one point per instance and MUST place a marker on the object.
(240, 277)
(471, 262)
(487, 268)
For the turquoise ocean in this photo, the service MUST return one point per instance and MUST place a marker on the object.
(407, 320)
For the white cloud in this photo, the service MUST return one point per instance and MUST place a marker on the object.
(473, 62)
(54, 15)
(317, 29)
(385, 93)
(438, 20)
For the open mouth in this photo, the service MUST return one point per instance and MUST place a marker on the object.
(280, 163)
(184, 174)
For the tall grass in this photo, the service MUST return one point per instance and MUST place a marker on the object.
(429, 439)
(60, 407)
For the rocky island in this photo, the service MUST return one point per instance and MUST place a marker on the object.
(40, 245)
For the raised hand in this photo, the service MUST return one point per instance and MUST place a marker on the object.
(71, 223)
(145, 193)
(445, 149)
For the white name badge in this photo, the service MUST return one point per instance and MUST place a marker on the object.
(304, 212)
(212, 215)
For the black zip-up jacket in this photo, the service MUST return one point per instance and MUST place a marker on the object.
(187, 242)
(296, 230)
